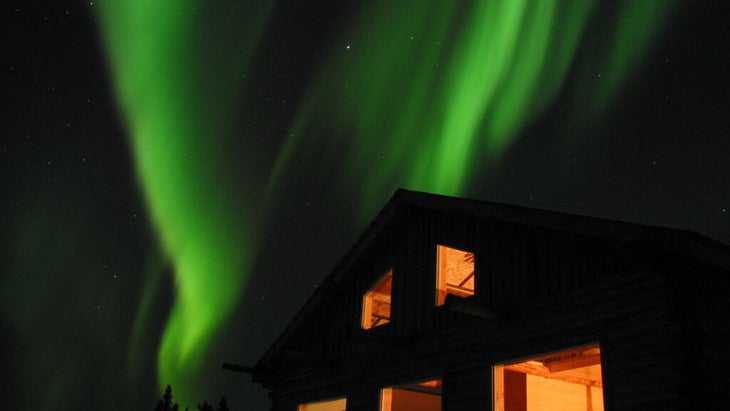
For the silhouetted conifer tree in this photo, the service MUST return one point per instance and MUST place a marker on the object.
(205, 407)
(166, 404)
(223, 405)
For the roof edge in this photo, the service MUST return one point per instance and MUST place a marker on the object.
(697, 246)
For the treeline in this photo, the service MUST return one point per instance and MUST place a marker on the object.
(165, 403)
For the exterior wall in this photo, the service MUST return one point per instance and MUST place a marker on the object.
(468, 387)
(704, 312)
(552, 290)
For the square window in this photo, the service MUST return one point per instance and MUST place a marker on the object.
(568, 380)
(420, 396)
(454, 273)
(376, 302)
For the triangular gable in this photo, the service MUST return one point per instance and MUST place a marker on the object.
(680, 242)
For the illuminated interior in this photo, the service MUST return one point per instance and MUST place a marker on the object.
(420, 396)
(376, 302)
(564, 381)
(339, 404)
(454, 273)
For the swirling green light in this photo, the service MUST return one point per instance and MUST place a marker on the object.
(422, 94)
(415, 94)
(176, 95)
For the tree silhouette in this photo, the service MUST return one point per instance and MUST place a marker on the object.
(205, 407)
(223, 405)
(165, 403)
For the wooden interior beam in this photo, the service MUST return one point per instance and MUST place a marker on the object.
(466, 279)
(539, 370)
(568, 360)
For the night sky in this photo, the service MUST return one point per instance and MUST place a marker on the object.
(177, 178)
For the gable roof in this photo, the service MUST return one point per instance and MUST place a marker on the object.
(680, 242)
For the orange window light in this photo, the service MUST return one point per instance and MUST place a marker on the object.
(376, 302)
(454, 273)
(421, 396)
(569, 380)
(339, 404)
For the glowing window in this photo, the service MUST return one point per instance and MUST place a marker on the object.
(564, 381)
(422, 396)
(339, 404)
(376, 302)
(454, 273)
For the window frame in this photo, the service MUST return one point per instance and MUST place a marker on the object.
(386, 393)
(498, 369)
(367, 309)
(441, 293)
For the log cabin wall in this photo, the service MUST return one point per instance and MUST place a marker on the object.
(638, 340)
(550, 290)
(703, 311)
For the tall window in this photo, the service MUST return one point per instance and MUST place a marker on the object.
(339, 404)
(376, 302)
(420, 396)
(564, 381)
(454, 273)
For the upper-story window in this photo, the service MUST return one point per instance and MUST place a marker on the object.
(454, 273)
(376, 302)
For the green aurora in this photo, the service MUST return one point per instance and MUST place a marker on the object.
(177, 98)
(421, 95)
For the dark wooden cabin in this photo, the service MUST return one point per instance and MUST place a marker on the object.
(455, 304)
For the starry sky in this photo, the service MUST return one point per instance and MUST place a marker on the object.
(178, 177)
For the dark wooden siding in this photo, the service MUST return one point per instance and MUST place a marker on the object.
(638, 337)
(553, 289)
(704, 313)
